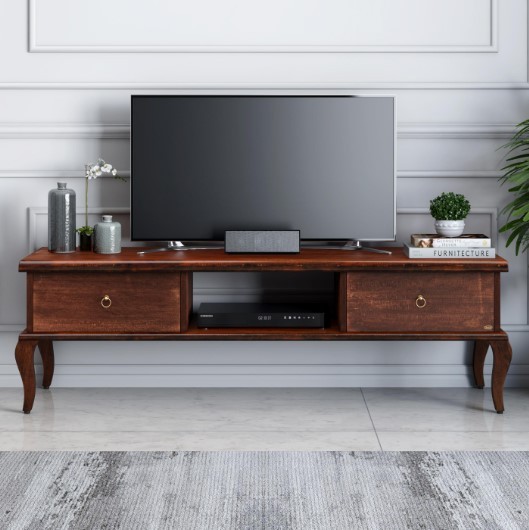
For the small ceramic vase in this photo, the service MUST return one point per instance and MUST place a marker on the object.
(107, 236)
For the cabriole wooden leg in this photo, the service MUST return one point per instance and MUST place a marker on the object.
(24, 356)
(502, 359)
(48, 362)
(480, 352)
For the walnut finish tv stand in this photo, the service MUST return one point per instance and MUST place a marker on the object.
(86, 296)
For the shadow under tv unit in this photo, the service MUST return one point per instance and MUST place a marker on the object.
(382, 297)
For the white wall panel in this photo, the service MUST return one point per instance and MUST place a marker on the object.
(415, 44)
(274, 25)
(458, 70)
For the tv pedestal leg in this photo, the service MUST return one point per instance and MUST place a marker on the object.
(24, 352)
(502, 352)
(48, 362)
(480, 352)
(356, 245)
(502, 355)
(178, 245)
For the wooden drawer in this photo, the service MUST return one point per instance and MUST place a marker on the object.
(73, 302)
(390, 301)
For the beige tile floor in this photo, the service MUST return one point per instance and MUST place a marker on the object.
(312, 419)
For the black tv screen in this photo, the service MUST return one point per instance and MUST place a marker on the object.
(324, 165)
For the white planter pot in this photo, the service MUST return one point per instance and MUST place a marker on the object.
(450, 228)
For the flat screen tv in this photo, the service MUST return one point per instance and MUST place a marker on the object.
(320, 164)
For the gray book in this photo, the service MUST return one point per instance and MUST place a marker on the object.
(449, 253)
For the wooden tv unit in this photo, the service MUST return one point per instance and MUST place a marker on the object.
(127, 296)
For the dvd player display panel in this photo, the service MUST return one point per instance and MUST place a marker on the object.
(234, 315)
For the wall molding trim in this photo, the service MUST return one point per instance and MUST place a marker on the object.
(516, 328)
(402, 174)
(324, 379)
(294, 85)
(101, 131)
(12, 328)
(186, 369)
(446, 174)
(78, 130)
(226, 40)
(455, 131)
(52, 174)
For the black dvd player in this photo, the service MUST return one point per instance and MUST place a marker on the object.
(235, 315)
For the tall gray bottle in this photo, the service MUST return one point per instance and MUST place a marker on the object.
(61, 219)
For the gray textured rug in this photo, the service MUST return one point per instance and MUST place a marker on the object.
(272, 490)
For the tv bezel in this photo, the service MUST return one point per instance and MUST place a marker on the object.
(310, 94)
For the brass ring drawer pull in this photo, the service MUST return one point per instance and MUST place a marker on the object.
(106, 302)
(420, 302)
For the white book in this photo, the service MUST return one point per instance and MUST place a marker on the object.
(450, 253)
(461, 243)
(434, 240)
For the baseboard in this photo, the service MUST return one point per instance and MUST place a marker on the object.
(276, 377)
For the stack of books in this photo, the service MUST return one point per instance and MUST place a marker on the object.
(436, 246)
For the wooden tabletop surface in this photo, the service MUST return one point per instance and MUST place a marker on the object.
(217, 259)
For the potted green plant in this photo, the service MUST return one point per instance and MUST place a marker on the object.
(449, 211)
(92, 171)
(517, 176)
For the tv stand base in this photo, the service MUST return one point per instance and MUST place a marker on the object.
(88, 296)
(171, 245)
(352, 244)
(176, 245)
(357, 245)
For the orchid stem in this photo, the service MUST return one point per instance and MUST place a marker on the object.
(86, 202)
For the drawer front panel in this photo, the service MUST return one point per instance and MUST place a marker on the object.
(420, 301)
(106, 302)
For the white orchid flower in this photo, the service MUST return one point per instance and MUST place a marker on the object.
(92, 171)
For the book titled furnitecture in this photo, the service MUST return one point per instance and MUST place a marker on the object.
(437, 241)
(449, 253)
